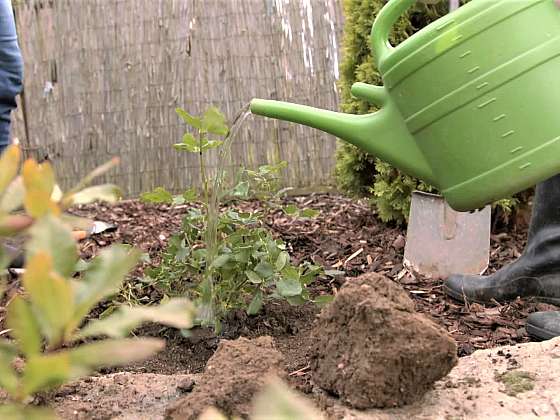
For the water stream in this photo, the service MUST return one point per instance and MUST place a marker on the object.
(207, 312)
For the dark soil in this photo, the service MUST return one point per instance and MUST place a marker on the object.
(346, 236)
(387, 354)
(233, 376)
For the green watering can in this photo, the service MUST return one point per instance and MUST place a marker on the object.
(470, 104)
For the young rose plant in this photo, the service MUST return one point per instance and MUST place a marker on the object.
(228, 259)
(51, 340)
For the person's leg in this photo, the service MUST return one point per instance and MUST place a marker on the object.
(11, 70)
(535, 274)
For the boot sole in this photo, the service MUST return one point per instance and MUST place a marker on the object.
(539, 333)
(461, 297)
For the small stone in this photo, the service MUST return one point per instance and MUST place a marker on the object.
(186, 385)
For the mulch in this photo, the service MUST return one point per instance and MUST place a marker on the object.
(345, 236)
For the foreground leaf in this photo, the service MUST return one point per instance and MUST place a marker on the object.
(38, 177)
(51, 297)
(111, 353)
(44, 372)
(24, 412)
(105, 276)
(14, 196)
(38, 203)
(108, 193)
(279, 402)
(51, 236)
(100, 170)
(9, 164)
(25, 328)
(14, 224)
(8, 377)
(177, 313)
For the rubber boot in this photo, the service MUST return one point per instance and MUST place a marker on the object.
(536, 273)
(544, 325)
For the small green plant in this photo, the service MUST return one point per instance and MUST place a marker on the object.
(228, 259)
(51, 341)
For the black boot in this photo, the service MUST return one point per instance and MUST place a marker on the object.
(544, 325)
(536, 273)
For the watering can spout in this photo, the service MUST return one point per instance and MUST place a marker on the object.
(383, 133)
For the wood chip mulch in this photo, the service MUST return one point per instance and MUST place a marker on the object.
(345, 236)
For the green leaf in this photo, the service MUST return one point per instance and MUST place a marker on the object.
(25, 328)
(105, 276)
(194, 122)
(323, 300)
(8, 377)
(309, 213)
(14, 196)
(43, 372)
(296, 300)
(211, 144)
(111, 353)
(176, 313)
(38, 177)
(108, 192)
(282, 260)
(190, 195)
(256, 304)
(221, 260)
(253, 277)
(189, 144)
(264, 269)
(25, 412)
(49, 235)
(289, 287)
(290, 209)
(241, 190)
(159, 195)
(214, 122)
(51, 297)
(84, 182)
(9, 164)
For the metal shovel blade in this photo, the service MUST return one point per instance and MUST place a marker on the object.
(441, 241)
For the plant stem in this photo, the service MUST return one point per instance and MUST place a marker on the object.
(203, 169)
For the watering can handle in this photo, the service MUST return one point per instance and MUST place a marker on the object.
(382, 26)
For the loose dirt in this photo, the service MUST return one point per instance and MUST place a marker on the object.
(372, 350)
(346, 236)
(473, 390)
(233, 376)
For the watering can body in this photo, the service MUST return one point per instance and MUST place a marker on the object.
(469, 103)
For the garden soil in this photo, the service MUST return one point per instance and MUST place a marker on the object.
(372, 349)
(346, 236)
(511, 382)
(233, 376)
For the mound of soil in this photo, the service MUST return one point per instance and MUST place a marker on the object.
(373, 350)
(233, 375)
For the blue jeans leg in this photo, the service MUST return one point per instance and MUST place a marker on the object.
(11, 70)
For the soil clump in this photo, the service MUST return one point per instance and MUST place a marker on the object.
(373, 350)
(233, 376)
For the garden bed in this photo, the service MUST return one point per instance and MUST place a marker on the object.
(346, 236)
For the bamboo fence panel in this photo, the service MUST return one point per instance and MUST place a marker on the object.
(103, 79)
